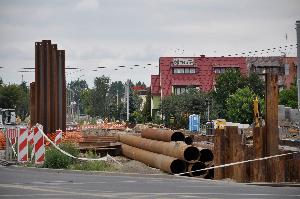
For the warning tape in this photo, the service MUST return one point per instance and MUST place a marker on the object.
(79, 158)
(241, 162)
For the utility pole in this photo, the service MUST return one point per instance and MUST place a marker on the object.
(117, 99)
(208, 112)
(127, 98)
(298, 62)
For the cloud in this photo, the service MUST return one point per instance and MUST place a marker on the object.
(87, 5)
(118, 32)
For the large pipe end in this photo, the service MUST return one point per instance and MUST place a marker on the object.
(210, 174)
(206, 155)
(188, 140)
(191, 153)
(195, 169)
(177, 136)
(178, 166)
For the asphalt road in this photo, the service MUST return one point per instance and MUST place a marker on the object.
(43, 183)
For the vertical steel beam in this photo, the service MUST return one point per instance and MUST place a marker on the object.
(43, 85)
(55, 111)
(62, 90)
(298, 60)
(32, 104)
(49, 88)
(38, 46)
(64, 94)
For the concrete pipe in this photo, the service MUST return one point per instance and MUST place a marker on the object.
(162, 135)
(188, 140)
(206, 155)
(159, 161)
(194, 168)
(178, 150)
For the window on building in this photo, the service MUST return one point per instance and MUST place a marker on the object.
(219, 70)
(179, 90)
(182, 89)
(184, 70)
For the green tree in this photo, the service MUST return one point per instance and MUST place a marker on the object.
(115, 104)
(288, 97)
(22, 108)
(100, 100)
(177, 108)
(77, 86)
(255, 84)
(86, 97)
(146, 112)
(134, 106)
(10, 96)
(239, 106)
(227, 84)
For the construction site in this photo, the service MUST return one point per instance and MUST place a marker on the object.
(255, 154)
(140, 99)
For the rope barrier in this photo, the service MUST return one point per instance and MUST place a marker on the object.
(241, 162)
(79, 158)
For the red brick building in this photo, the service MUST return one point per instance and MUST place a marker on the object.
(176, 74)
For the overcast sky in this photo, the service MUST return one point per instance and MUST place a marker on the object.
(111, 33)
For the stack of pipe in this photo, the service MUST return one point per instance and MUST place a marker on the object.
(165, 150)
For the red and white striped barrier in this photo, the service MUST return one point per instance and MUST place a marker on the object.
(12, 134)
(39, 147)
(30, 137)
(58, 137)
(23, 145)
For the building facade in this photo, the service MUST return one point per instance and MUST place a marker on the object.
(177, 74)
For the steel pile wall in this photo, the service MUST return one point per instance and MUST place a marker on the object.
(48, 92)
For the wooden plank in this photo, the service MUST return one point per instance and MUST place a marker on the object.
(239, 154)
(272, 135)
(258, 167)
(219, 158)
(229, 151)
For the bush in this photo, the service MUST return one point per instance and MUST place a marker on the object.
(96, 165)
(57, 160)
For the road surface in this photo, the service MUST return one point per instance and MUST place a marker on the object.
(18, 182)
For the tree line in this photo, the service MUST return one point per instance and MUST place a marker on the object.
(107, 100)
(230, 99)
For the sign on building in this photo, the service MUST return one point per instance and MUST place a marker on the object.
(183, 62)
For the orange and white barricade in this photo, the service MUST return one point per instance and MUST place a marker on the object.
(39, 147)
(22, 145)
(58, 137)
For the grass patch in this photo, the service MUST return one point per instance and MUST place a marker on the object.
(57, 160)
(95, 165)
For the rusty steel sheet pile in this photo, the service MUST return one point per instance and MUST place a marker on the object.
(178, 150)
(159, 161)
(162, 135)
